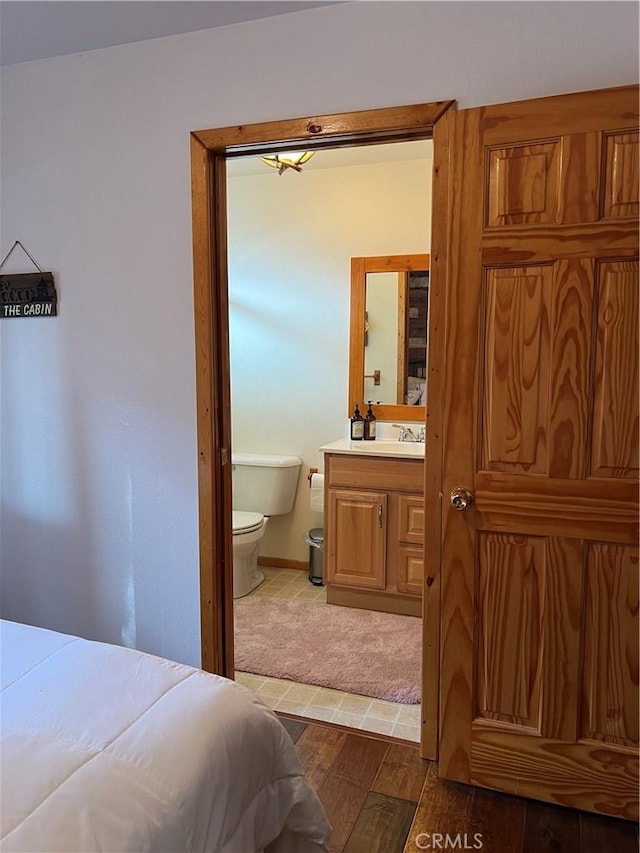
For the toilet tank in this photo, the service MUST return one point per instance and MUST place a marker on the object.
(264, 482)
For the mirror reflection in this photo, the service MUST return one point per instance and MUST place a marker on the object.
(395, 337)
(388, 341)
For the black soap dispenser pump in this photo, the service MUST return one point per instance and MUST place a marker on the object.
(357, 425)
(370, 424)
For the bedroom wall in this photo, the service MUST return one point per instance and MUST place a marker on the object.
(99, 504)
(291, 239)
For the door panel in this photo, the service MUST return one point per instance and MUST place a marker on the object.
(527, 637)
(615, 421)
(610, 704)
(539, 662)
(571, 329)
(621, 183)
(516, 374)
(510, 588)
(523, 184)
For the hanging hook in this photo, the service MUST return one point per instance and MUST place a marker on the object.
(18, 243)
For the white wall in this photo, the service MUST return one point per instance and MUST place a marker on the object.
(99, 527)
(291, 239)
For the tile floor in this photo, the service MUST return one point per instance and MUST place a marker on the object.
(322, 703)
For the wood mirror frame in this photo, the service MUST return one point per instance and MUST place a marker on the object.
(359, 269)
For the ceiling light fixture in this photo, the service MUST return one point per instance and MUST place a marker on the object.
(292, 160)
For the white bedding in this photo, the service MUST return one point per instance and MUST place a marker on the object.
(106, 748)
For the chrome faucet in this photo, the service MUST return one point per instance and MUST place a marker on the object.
(407, 434)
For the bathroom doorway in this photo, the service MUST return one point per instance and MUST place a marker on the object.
(291, 238)
(211, 149)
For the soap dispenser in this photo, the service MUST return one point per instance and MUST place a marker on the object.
(370, 424)
(357, 425)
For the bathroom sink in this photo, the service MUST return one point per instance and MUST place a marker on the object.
(396, 448)
(379, 447)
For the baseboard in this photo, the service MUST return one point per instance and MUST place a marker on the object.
(366, 599)
(284, 563)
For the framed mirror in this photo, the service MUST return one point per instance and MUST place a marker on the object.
(388, 335)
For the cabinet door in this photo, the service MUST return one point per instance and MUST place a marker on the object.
(409, 562)
(356, 538)
(411, 519)
(410, 569)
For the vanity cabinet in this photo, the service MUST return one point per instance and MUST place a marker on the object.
(374, 530)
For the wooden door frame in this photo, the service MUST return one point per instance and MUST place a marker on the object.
(209, 152)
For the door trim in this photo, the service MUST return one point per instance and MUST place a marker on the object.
(436, 352)
(209, 151)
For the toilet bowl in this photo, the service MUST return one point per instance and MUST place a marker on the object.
(264, 485)
(248, 530)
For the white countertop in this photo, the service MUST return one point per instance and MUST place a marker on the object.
(397, 449)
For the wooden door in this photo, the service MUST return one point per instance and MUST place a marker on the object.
(356, 538)
(539, 637)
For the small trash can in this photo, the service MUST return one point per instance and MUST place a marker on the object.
(315, 541)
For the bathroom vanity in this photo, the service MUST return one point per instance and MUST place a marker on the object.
(374, 525)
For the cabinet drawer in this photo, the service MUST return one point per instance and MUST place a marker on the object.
(410, 569)
(371, 472)
(411, 519)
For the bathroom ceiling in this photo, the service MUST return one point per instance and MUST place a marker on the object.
(335, 158)
(40, 29)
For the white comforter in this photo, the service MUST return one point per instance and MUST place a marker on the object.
(110, 749)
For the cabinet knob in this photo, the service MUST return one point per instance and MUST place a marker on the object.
(380, 515)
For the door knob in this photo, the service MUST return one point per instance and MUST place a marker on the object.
(461, 499)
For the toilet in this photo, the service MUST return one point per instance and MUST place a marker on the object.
(264, 484)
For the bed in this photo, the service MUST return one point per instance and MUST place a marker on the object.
(107, 748)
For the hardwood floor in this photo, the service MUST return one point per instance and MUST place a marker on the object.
(381, 797)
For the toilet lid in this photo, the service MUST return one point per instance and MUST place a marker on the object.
(245, 522)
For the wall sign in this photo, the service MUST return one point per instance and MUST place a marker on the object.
(27, 294)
